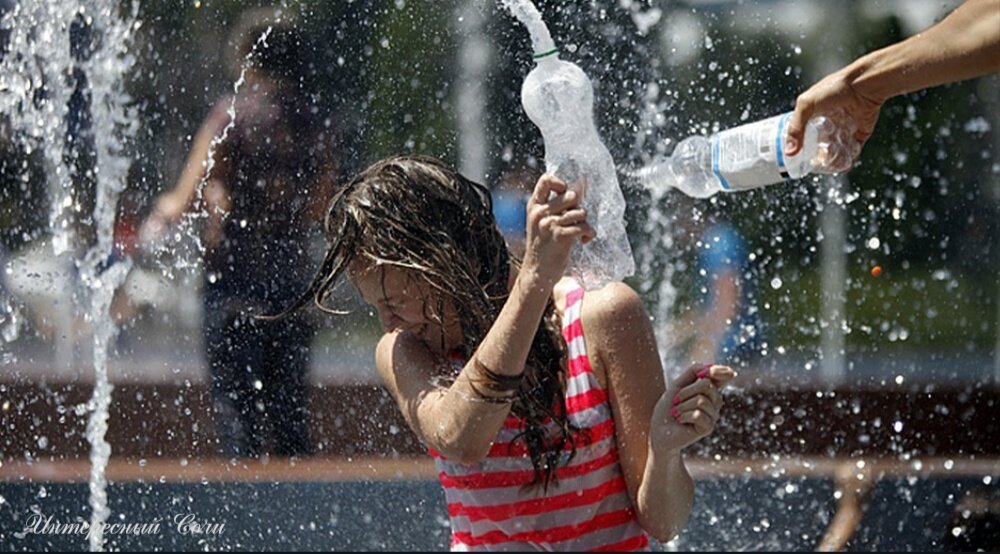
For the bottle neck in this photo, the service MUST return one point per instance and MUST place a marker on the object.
(546, 56)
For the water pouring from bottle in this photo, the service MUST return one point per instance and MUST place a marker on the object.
(752, 156)
(559, 98)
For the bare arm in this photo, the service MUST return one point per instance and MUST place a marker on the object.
(170, 206)
(650, 439)
(451, 420)
(173, 204)
(454, 420)
(965, 44)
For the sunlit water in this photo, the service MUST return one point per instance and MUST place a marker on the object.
(47, 42)
(36, 96)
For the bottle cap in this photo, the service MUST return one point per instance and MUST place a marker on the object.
(540, 55)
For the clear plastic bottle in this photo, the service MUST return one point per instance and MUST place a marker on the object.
(751, 156)
(559, 98)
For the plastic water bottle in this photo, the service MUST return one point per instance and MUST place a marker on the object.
(559, 98)
(751, 156)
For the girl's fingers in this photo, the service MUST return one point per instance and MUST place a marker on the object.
(721, 375)
(700, 387)
(703, 422)
(562, 202)
(582, 231)
(572, 217)
(690, 375)
(700, 402)
(546, 185)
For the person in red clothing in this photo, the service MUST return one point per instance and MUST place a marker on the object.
(544, 405)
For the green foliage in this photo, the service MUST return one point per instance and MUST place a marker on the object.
(409, 85)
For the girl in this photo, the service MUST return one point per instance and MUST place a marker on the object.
(543, 405)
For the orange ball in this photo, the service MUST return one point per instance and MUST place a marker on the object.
(876, 271)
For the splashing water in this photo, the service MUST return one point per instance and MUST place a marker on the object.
(188, 226)
(35, 95)
(527, 13)
(114, 125)
(35, 106)
(657, 274)
(558, 97)
(231, 112)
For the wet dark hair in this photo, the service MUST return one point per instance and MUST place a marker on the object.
(415, 213)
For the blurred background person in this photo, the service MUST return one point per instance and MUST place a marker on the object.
(723, 325)
(267, 190)
(510, 200)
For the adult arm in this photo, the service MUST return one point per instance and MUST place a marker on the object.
(964, 45)
(171, 205)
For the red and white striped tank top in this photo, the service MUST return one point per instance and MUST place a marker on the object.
(588, 508)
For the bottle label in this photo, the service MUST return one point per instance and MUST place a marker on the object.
(752, 155)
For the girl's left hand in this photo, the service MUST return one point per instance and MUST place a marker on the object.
(690, 408)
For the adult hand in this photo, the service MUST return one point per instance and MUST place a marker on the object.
(852, 116)
(555, 222)
(690, 408)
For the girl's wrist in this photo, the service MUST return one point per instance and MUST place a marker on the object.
(668, 458)
(531, 280)
(167, 208)
(665, 453)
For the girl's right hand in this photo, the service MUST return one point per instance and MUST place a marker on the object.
(555, 222)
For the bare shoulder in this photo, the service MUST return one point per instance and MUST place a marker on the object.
(616, 326)
(612, 309)
(394, 353)
(385, 352)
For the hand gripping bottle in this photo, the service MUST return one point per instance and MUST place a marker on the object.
(752, 156)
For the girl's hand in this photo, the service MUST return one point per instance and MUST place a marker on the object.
(690, 407)
(555, 222)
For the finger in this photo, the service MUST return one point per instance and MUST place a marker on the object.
(702, 386)
(797, 124)
(572, 217)
(700, 420)
(721, 375)
(582, 231)
(700, 402)
(562, 202)
(546, 185)
(689, 376)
